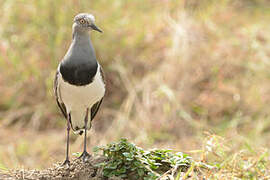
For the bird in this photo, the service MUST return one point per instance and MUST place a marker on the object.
(79, 83)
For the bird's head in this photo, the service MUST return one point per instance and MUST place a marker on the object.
(85, 22)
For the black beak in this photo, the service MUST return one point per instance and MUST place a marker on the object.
(94, 27)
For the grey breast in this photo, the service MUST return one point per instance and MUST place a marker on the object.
(79, 65)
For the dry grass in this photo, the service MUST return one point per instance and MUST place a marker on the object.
(174, 71)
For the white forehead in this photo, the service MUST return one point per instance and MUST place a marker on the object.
(86, 16)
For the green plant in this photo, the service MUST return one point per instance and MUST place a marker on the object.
(126, 160)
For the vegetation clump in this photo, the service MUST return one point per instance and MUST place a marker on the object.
(126, 160)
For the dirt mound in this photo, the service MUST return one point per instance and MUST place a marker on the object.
(78, 170)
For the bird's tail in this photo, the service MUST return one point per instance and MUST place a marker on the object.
(78, 123)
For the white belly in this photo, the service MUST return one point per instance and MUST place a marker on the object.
(78, 98)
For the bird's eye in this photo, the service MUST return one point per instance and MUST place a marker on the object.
(82, 21)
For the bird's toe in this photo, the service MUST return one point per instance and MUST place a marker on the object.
(66, 162)
(85, 156)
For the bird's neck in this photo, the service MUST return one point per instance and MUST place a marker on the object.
(81, 36)
(81, 39)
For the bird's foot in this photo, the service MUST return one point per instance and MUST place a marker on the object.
(85, 156)
(67, 162)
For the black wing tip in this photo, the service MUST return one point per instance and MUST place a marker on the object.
(60, 105)
(95, 108)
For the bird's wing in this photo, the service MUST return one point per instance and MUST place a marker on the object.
(60, 104)
(102, 75)
(95, 108)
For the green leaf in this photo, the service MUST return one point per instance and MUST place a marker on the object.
(126, 154)
(111, 166)
(140, 172)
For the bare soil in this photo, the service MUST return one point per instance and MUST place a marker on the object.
(77, 170)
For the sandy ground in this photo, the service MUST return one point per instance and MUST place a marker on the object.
(77, 170)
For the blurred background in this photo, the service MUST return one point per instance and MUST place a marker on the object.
(178, 74)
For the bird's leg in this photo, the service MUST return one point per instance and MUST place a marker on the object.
(85, 155)
(67, 152)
